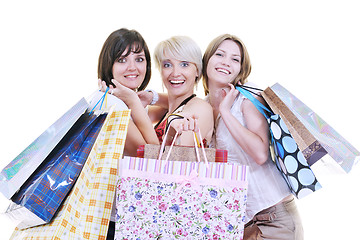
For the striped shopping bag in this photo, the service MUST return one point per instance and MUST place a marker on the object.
(159, 199)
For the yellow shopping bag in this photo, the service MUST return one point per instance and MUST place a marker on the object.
(86, 212)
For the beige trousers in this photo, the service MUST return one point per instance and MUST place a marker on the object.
(279, 222)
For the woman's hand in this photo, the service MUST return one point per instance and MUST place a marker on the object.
(229, 95)
(188, 123)
(183, 126)
(145, 97)
(125, 94)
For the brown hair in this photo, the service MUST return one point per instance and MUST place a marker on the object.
(115, 45)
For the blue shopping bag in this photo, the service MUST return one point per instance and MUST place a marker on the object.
(40, 197)
(15, 174)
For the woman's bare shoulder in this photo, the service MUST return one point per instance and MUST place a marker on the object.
(199, 104)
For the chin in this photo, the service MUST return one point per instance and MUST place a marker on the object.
(132, 86)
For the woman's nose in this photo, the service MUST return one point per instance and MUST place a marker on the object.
(131, 65)
(225, 61)
(176, 71)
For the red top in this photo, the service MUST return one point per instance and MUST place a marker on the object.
(161, 126)
(160, 132)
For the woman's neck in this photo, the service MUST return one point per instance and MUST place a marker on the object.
(175, 101)
(215, 93)
(215, 97)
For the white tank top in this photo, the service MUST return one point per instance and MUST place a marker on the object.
(266, 185)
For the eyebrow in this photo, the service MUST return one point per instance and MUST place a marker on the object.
(236, 55)
(137, 54)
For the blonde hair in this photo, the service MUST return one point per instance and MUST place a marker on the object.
(181, 48)
(245, 60)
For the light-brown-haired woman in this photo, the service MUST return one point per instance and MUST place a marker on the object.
(241, 129)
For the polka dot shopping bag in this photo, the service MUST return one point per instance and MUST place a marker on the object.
(285, 152)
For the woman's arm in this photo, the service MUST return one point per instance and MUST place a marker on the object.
(253, 138)
(134, 139)
(198, 114)
(146, 98)
(145, 132)
(159, 109)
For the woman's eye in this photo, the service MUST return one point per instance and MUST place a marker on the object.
(122, 60)
(236, 60)
(166, 65)
(140, 59)
(184, 64)
(218, 54)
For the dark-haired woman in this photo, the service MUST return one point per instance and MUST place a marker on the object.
(125, 67)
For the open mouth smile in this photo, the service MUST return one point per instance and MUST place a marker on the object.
(177, 82)
(222, 70)
(132, 76)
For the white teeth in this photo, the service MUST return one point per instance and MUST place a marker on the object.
(176, 81)
(131, 76)
(223, 70)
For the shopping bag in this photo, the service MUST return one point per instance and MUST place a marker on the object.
(287, 156)
(161, 199)
(85, 214)
(14, 175)
(308, 144)
(40, 197)
(178, 153)
(340, 150)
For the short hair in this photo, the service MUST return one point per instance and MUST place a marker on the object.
(181, 48)
(118, 42)
(244, 59)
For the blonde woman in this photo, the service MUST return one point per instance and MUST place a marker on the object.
(179, 60)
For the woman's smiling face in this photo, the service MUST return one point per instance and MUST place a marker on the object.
(224, 66)
(178, 76)
(130, 70)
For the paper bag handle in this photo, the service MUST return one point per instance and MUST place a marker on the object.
(173, 142)
(256, 102)
(104, 97)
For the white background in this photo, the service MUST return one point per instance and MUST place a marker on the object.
(49, 53)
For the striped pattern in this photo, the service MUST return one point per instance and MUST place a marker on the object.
(167, 200)
(225, 171)
(86, 212)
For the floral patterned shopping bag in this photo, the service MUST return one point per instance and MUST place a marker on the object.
(156, 199)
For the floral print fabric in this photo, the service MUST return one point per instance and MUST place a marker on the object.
(153, 209)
